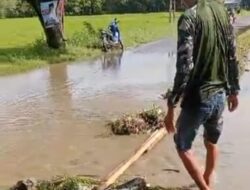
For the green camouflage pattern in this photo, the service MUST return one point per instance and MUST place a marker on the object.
(206, 52)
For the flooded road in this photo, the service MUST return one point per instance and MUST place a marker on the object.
(162, 166)
(53, 121)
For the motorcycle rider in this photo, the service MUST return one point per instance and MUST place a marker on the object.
(231, 13)
(114, 28)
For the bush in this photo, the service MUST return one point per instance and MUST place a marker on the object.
(88, 37)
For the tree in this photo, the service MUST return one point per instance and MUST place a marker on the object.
(54, 34)
(245, 4)
(23, 9)
(6, 7)
(73, 7)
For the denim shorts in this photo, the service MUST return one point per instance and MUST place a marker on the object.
(207, 113)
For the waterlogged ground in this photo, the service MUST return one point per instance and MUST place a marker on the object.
(52, 121)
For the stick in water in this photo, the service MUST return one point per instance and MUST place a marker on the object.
(146, 146)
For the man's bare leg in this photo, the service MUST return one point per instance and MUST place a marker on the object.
(193, 169)
(212, 156)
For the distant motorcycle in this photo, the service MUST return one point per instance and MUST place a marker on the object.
(232, 19)
(232, 15)
(110, 42)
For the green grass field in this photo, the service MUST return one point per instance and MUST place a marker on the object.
(244, 12)
(22, 47)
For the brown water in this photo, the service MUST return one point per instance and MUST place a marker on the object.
(162, 166)
(52, 121)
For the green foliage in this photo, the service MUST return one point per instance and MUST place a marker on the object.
(244, 13)
(20, 8)
(243, 44)
(6, 7)
(136, 6)
(87, 37)
(15, 8)
(24, 48)
(23, 9)
(245, 4)
(115, 6)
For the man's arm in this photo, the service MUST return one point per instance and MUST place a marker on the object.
(233, 73)
(184, 62)
(233, 67)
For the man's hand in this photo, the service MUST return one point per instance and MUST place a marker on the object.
(232, 102)
(169, 120)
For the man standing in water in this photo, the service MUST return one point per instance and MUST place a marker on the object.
(207, 73)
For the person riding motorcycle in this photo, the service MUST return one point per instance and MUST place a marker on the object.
(114, 28)
(111, 37)
(231, 13)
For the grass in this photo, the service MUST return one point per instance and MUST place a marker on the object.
(22, 45)
(243, 44)
(244, 12)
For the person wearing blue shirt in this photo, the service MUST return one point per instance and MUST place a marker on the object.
(114, 28)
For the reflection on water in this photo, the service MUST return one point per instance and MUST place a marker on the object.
(52, 118)
(112, 60)
(59, 92)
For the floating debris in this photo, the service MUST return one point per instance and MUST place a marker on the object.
(137, 183)
(146, 121)
(82, 183)
(58, 183)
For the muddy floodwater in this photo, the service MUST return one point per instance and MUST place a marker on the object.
(53, 121)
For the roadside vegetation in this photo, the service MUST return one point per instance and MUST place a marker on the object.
(243, 45)
(244, 12)
(22, 44)
(23, 47)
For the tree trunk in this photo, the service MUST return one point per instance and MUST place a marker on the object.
(54, 33)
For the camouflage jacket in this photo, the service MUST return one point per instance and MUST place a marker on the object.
(188, 48)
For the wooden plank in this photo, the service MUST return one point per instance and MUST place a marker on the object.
(146, 146)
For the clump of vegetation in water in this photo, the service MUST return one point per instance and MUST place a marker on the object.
(58, 183)
(144, 122)
(84, 183)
